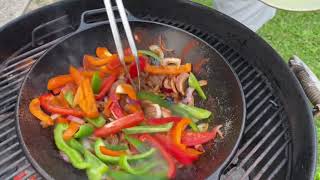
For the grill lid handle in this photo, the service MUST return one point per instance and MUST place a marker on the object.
(95, 17)
(309, 82)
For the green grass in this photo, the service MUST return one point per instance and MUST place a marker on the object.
(294, 33)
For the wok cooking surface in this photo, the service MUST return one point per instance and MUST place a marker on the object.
(278, 141)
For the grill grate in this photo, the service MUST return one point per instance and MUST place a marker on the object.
(264, 149)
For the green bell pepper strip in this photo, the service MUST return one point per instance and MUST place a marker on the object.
(193, 82)
(114, 159)
(96, 82)
(139, 145)
(116, 147)
(73, 143)
(74, 156)
(120, 175)
(97, 168)
(84, 131)
(148, 129)
(196, 112)
(150, 53)
(123, 162)
(143, 95)
(97, 122)
(68, 96)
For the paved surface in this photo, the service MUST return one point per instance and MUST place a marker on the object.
(10, 9)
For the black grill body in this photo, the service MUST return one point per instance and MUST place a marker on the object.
(279, 140)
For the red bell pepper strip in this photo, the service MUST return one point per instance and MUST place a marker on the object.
(133, 67)
(119, 124)
(116, 110)
(106, 85)
(195, 138)
(157, 121)
(166, 155)
(45, 104)
(182, 156)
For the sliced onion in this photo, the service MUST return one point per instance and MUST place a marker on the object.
(171, 60)
(163, 46)
(55, 116)
(76, 119)
(86, 144)
(64, 156)
(189, 96)
(203, 127)
(156, 49)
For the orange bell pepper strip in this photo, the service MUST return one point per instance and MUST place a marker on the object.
(72, 129)
(106, 110)
(168, 70)
(76, 75)
(132, 108)
(177, 130)
(62, 120)
(94, 61)
(58, 81)
(36, 111)
(62, 101)
(126, 89)
(86, 100)
(176, 135)
(110, 152)
(103, 52)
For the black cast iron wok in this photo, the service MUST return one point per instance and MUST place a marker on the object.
(225, 96)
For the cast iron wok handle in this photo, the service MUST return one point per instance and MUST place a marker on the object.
(309, 82)
(95, 12)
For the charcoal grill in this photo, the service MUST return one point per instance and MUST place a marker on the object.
(279, 138)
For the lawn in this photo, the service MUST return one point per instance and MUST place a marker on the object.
(294, 33)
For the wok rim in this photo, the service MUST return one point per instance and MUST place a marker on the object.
(44, 173)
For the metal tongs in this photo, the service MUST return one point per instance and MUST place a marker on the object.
(116, 36)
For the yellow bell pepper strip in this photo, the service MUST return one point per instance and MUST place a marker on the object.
(74, 156)
(168, 70)
(97, 122)
(36, 111)
(59, 81)
(76, 75)
(193, 82)
(97, 168)
(96, 82)
(72, 129)
(126, 89)
(115, 159)
(110, 152)
(124, 164)
(103, 52)
(46, 105)
(177, 130)
(86, 100)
